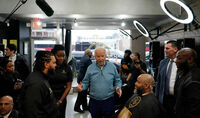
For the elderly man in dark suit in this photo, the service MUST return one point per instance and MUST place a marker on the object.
(166, 77)
(82, 96)
(6, 108)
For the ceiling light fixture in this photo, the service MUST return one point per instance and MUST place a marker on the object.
(123, 24)
(8, 24)
(136, 24)
(75, 23)
(188, 20)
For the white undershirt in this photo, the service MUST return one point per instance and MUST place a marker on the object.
(172, 77)
(13, 59)
(7, 115)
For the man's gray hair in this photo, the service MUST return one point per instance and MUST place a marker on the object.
(99, 48)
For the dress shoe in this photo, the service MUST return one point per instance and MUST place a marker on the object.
(79, 110)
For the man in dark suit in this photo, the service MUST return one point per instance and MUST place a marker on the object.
(19, 62)
(188, 92)
(82, 96)
(166, 77)
(6, 108)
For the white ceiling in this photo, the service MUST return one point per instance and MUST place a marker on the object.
(91, 14)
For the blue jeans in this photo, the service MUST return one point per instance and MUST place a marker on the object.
(102, 108)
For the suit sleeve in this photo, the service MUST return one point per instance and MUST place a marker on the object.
(192, 100)
(144, 67)
(157, 81)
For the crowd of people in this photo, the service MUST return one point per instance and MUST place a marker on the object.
(173, 93)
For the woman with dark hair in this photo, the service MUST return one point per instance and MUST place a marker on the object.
(125, 65)
(10, 81)
(62, 79)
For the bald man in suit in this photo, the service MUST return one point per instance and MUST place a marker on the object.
(6, 108)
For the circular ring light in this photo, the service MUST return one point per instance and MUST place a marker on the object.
(145, 33)
(188, 20)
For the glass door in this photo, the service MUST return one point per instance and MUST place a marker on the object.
(41, 44)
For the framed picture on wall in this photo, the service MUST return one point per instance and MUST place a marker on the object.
(13, 41)
(4, 41)
(25, 50)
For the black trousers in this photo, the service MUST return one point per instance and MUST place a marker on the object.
(169, 104)
(62, 109)
(81, 100)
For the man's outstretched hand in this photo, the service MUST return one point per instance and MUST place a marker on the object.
(79, 87)
(119, 92)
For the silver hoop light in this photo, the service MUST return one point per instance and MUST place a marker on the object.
(187, 9)
(145, 33)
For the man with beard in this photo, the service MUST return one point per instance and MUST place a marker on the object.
(188, 93)
(39, 101)
(143, 104)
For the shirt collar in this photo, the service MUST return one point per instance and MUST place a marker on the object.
(13, 58)
(173, 60)
(7, 115)
(101, 66)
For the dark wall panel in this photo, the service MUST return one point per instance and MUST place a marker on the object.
(24, 36)
(156, 53)
(11, 31)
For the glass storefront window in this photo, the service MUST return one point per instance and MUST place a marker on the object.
(46, 45)
(113, 41)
